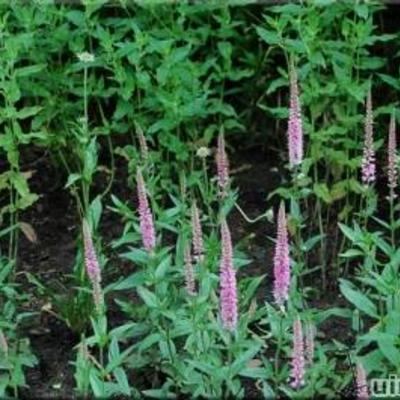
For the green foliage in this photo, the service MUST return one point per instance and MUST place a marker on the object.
(102, 87)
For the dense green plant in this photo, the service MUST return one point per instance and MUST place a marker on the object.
(15, 353)
(334, 73)
(148, 87)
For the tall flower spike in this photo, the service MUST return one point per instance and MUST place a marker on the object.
(295, 126)
(392, 153)
(144, 150)
(368, 160)
(309, 343)
(298, 371)
(281, 260)
(189, 274)
(146, 218)
(222, 166)
(362, 385)
(92, 265)
(228, 294)
(197, 233)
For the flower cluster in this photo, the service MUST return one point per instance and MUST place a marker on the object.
(281, 260)
(197, 233)
(295, 127)
(189, 274)
(228, 295)
(362, 385)
(298, 362)
(368, 160)
(146, 218)
(392, 157)
(92, 266)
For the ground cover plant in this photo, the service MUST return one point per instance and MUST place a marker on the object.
(198, 199)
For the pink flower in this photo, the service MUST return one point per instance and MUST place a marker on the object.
(392, 150)
(281, 260)
(197, 233)
(362, 385)
(368, 160)
(298, 371)
(222, 166)
(145, 216)
(92, 265)
(295, 127)
(228, 295)
(189, 274)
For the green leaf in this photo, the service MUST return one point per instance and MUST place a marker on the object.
(159, 394)
(386, 344)
(132, 281)
(162, 268)
(72, 178)
(20, 183)
(29, 70)
(241, 362)
(269, 37)
(148, 297)
(27, 112)
(358, 299)
(348, 232)
(123, 384)
(97, 385)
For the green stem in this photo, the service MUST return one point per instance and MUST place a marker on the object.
(392, 219)
(277, 352)
(244, 215)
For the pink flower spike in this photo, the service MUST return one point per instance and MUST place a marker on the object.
(368, 161)
(281, 260)
(222, 166)
(189, 274)
(392, 157)
(362, 385)
(298, 371)
(228, 294)
(92, 266)
(145, 216)
(295, 126)
(197, 233)
(91, 262)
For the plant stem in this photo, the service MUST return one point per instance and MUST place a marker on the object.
(277, 352)
(392, 219)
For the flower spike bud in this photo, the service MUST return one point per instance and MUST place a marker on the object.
(145, 215)
(197, 233)
(92, 266)
(368, 161)
(392, 157)
(298, 371)
(362, 384)
(228, 293)
(222, 166)
(189, 273)
(295, 126)
(281, 260)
